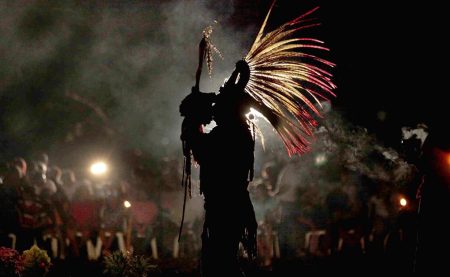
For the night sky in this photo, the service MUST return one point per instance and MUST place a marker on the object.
(90, 76)
(387, 56)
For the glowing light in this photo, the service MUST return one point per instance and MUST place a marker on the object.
(320, 159)
(288, 80)
(448, 159)
(99, 168)
(403, 202)
(126, 204)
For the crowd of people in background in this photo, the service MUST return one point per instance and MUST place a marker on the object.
(81, 218)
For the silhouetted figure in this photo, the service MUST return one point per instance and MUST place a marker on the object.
(226, 161)
(434, 210)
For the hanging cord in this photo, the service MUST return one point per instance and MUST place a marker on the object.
(186, 183)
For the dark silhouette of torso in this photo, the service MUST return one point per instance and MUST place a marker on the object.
(225, 156)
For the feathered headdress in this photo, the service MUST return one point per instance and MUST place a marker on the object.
(289, 80)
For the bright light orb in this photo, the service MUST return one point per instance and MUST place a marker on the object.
(99, 168)
(403, 202)
(254, 115)
(126, 204)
